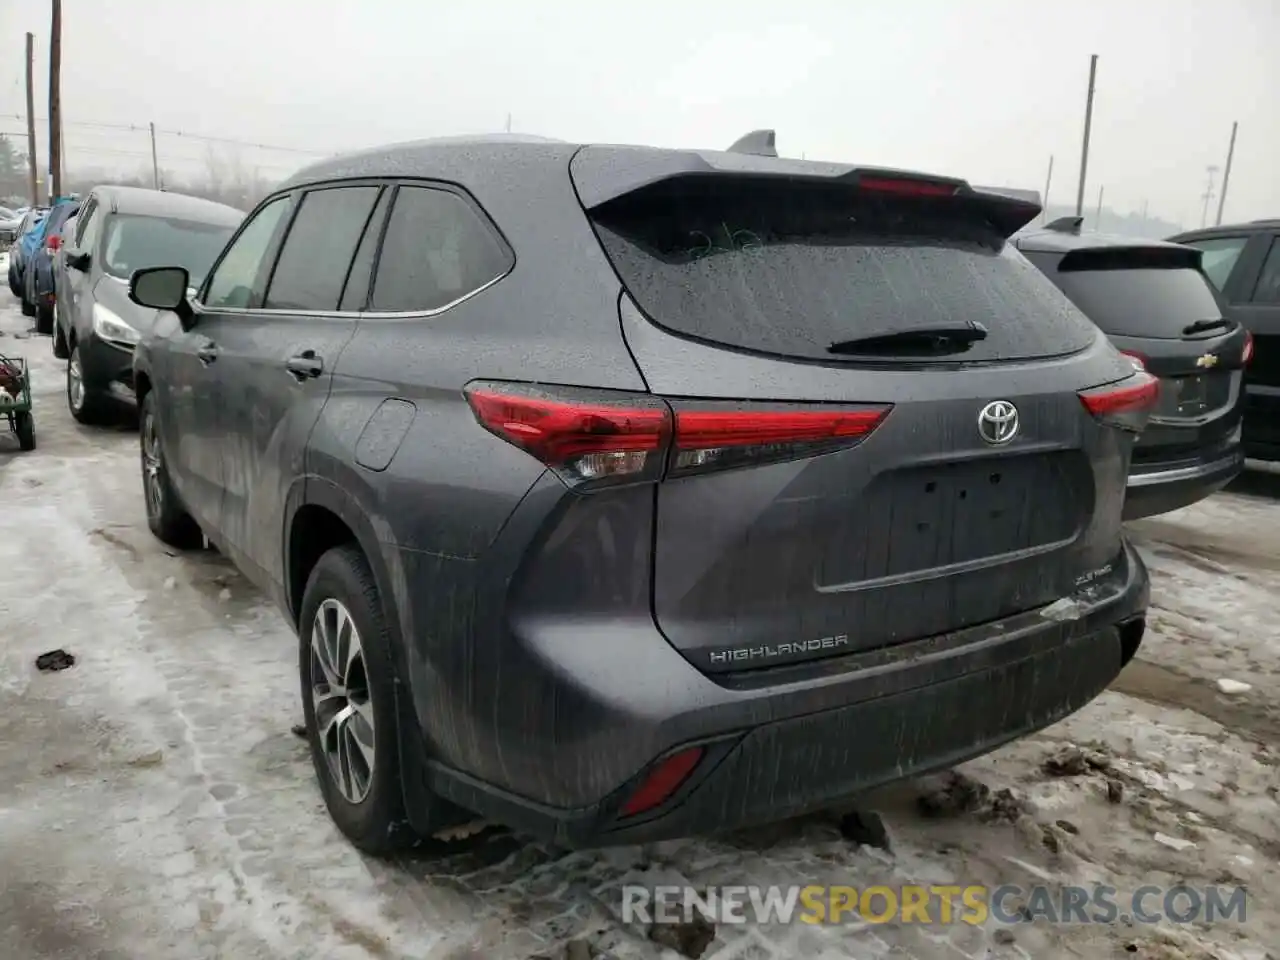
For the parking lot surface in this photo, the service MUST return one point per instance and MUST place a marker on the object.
(154, 802)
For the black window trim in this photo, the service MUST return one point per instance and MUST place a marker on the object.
(391, 183)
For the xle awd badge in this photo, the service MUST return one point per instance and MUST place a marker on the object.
(998, 422)
(1207, 361)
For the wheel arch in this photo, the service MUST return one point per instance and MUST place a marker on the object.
(320, 515)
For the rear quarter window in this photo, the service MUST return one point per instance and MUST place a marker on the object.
(789, 268)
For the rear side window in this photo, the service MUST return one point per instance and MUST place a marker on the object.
(1137, 292)
(789, 268)
(1219, 256)
(1268, 287)
(436, 251)
(317, 251)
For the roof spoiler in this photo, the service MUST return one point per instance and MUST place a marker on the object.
(1066, 225)
(757, 143)
(1028, 196)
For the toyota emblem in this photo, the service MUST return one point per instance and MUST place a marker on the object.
(998, 422)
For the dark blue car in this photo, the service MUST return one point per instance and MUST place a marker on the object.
(38, 286)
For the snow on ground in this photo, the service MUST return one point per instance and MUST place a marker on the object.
(154, 804)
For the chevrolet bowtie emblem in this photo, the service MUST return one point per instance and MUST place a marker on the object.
(1208, 360)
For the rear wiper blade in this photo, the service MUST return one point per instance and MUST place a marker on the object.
(1200, 326)
(939, 339)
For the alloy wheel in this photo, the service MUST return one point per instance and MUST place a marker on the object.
(341, 697)
(151, 466)
(75, 381)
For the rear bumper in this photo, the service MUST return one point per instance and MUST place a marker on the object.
(1159, 488)
(780, 743)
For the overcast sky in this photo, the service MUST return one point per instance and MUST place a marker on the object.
(983, 89)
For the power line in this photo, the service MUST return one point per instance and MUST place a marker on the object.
(135, 128)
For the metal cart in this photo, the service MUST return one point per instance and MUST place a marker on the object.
(15, 399)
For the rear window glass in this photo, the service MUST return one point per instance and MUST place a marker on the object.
(790, 268)
(1151, 302)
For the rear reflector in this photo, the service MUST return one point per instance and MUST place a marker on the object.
(1247, 356)
(1125, 404)
(592, 436)
(662, 781)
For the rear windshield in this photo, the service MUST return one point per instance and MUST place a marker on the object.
(791, 268)
(1151, 302)
(134, 242)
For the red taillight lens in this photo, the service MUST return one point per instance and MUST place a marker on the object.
(662, 782)
(1137, 359)
(715, 439)
(1247, 355)
(907, 187)
(1125, 404)
(590, 436)
(584, 436)
(54, 242)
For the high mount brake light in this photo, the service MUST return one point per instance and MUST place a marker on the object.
(1246, 355)
(597, 436)
(1125, 404)
(906, 187)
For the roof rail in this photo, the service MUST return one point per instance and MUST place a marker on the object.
(1066, 225)
(758, 143)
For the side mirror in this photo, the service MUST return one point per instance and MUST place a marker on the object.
(163, 288)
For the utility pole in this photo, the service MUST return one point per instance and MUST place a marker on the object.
(155, 163)
(1097, 217)
(1207, 196)
(508, 123)
(1226, 174)
(1088, 124)
(32, 166)
(55, 102)
(1048, 179)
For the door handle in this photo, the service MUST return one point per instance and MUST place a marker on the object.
(305, 365)
(208, 353)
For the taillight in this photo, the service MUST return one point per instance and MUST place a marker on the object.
(53, 242)
(1137, 359)
(716, 439)
(583, 435)
(1247, 355)
(1125, 404)
(601, 436)
(908, 187)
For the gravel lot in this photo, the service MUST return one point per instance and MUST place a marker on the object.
(154, 803)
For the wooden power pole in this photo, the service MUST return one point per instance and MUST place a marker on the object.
(32, 166)
(55, 101)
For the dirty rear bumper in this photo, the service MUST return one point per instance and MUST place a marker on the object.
(780, 743)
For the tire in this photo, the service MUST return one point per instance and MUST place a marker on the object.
(28, 308)
(86, 406)
(368, 805)
(24, 425)
(168, 520)
(59, 342)
(44, 320)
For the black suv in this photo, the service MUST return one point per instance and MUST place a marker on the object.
(621, 493)
(1243, 262)
(1154, 302)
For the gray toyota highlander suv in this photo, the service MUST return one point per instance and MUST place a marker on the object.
(620, 493)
